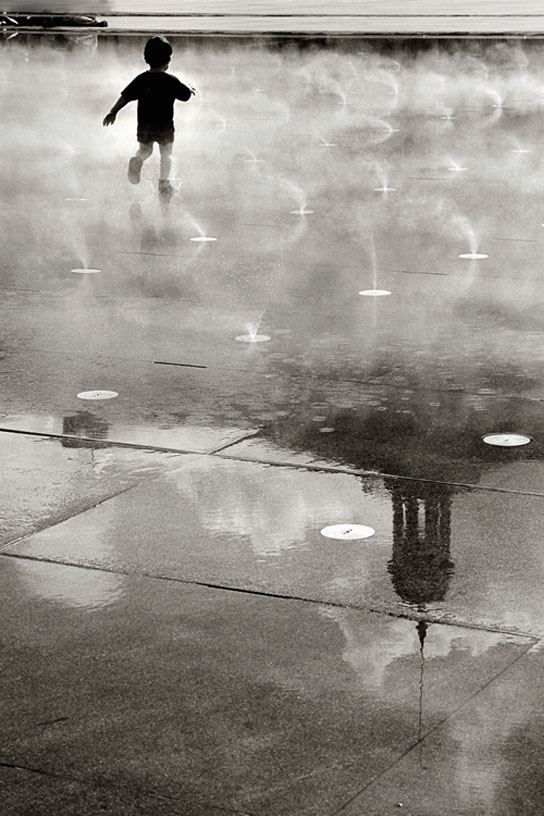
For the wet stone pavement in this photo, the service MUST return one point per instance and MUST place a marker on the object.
(178, 635)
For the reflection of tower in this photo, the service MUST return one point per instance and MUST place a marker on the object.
(420, 568)
(422, 634)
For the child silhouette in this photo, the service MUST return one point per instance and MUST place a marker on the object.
(156, 91)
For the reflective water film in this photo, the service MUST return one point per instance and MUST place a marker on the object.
(273, 434)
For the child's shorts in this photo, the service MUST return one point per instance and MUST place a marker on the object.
(147, 135)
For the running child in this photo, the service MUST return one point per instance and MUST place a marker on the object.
(156, 91)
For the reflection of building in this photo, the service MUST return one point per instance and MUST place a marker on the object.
(83, 424)
(420, 567)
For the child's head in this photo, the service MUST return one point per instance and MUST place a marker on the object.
(157, 52)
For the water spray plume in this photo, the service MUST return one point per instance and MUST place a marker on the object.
(253, 158)
(374, 292)
(493, 93)
(455, 167)
(201, 237)
(252, 335)
(299, 195)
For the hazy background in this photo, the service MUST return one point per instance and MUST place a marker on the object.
(288, 7)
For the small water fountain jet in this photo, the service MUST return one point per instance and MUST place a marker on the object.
(85, 271)
(497, 108)
(337, 89)
(455, 167)
(252, 335)
(473, 255)
(386, 78)
(201, 238)
(381, 130)
(374, 292)
(389, 129)
(382, 175)
(301, 197)
(497, 100)
(253, 158)
(83, 256)
(520, 150)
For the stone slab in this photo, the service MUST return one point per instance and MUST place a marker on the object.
(233, 700)
(486, 758)
(45, 481)
(439, 551)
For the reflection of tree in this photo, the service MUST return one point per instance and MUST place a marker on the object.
(83, 424)
(435, 445)
(420, 568)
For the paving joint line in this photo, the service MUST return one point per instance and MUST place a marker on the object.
(303, 34)
(249, 435)
(219, 452)
(409, 750)
(289, 15)
(261, 593)
(62, 517)
(106, 783)
(104, 442)
(378, 474)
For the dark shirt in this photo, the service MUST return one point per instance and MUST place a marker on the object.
(156, 92)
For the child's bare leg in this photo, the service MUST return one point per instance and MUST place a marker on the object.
(166, 160)
(144, 150)
(135, 164)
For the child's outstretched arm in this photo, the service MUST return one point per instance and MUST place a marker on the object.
(109, 119)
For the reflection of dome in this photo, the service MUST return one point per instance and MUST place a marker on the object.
(83, 424)
(420, 568)
(367, 435)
